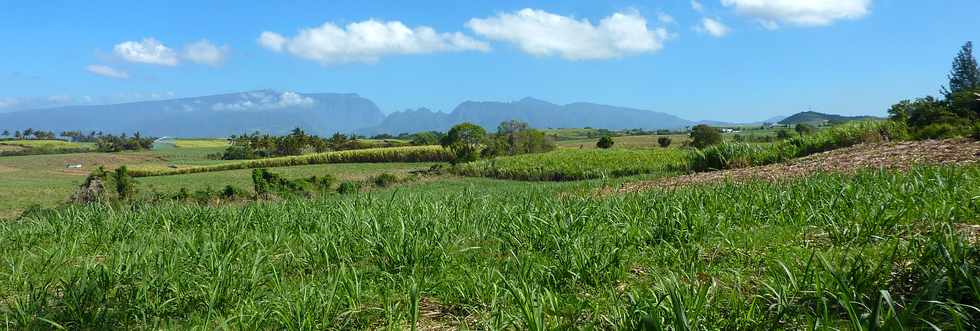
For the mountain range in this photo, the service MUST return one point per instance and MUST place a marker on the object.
(322, 113)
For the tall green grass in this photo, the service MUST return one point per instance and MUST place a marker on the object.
(577, 164)
(732, 155)
(877, 251)
(374, 155)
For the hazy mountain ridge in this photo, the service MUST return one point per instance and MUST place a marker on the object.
(325, 113)
(537, 113)
(210, 116)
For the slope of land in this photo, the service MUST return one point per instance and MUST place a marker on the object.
(892, 155)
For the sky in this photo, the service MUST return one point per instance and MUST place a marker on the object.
(727, 60)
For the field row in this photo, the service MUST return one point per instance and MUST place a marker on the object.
(391, 154)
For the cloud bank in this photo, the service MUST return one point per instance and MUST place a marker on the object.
(367, 42)
(541, 33)
(255, 101)
(807, 13)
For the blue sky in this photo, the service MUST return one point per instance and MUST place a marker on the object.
(753, 60)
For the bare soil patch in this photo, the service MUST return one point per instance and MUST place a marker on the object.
(889, 155)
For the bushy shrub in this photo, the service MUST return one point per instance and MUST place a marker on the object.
(939, 131)
(605, 142)
(385, 180)
(347, 188)
(664, 142)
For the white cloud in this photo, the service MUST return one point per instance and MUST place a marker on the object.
(697, 6)
(107, 71)
(541, 33)
(148, 51)
(664, 18)
(713, 28)
(367, 41)
(272, 40)
(264, 100)
(204, 52)
(772, 13)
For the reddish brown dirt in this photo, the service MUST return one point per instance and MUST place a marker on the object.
(893, 155)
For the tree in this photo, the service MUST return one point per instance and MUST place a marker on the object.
(664, 142)
(464, 141)
(965, 74)
(125, 185)
(703, 136)
(6, 133)
(605, 142)
(805, 129)
(18, 135)
(782, 134)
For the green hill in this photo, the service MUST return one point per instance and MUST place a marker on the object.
(812, 117)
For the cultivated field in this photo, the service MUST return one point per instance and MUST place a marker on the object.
(865, 231)
(819, 252)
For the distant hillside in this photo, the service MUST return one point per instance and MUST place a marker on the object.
(537, 113)
(812, 117)
(210, 116)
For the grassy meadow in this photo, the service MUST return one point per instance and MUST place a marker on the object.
(877, 250)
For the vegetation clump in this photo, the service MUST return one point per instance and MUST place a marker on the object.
(664, 142)
(605, 142)
(731, 155)
(957, 114)
(578, 164)
(703, 136)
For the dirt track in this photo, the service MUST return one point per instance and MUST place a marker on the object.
(896, 155)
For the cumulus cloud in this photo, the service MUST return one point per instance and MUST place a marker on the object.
(149, 51)
(808, 13)
(697, 6)
(541, 33)
(264, 100)
(272, 41)
(367, 41)
(204, 52)
(107, 71)
(664, 18)
(713, 27)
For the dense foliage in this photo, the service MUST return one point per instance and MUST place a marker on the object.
(605, 142)
(876, 251)
(664, 142)
(111, 143)
(731, 155)
(703, 136)
(515, 138)
(576, 164)
(957, 114)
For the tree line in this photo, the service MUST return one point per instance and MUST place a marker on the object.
(259, 145)
(469, 142)
(956, 112)
(29, 134)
